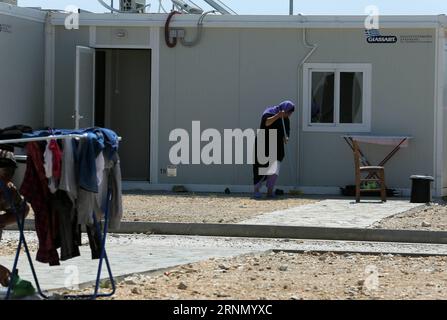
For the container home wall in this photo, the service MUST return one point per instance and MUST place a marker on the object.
(65, 73)
(226, 82)
(233, 74)
(444, 157)
(403, 77)
(65, 61)
(22, 77)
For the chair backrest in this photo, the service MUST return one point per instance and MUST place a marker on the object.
(356, 156)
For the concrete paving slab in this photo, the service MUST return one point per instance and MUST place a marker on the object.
(334, 214)
(124, 259)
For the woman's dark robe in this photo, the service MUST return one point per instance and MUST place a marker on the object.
(278, 126)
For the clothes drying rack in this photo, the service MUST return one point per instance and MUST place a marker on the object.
(22, 240)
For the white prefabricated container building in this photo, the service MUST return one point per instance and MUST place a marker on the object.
(116, 71)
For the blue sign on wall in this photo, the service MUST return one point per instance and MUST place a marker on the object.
(374, 36)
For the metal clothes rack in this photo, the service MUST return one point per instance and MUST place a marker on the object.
(22, 241)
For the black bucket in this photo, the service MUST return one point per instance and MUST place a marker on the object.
(421, 189)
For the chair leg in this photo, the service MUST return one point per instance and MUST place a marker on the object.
(382, 186)
(357, 189)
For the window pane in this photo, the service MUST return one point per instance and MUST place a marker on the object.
(323, 97)
(351, 97)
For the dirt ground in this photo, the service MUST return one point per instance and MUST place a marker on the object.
(290, 276)
(431, 217)
(234, 208)
(308, 276)
(202, 207)
(283, 276)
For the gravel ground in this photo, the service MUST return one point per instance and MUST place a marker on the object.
(286, 276)
(268, 275)
(279, 275)
(431, 217)
(202, 207)
(8, 247)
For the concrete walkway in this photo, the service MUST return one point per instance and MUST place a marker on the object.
(334, 214)
(125, 259)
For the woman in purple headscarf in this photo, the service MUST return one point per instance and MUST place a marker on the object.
(273, 118)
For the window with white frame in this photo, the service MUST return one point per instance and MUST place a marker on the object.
(337, 97)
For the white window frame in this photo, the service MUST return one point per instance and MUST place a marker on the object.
(337, 68)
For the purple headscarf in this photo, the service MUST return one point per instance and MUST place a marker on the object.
(287, 106)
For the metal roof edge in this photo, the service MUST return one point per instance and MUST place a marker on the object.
(251, 21)
(23, 13)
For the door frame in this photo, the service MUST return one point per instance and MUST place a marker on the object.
(154, 46)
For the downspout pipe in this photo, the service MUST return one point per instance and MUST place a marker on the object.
(312, 48)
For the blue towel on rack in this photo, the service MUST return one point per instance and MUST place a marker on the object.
(98, 140)
(89, 150)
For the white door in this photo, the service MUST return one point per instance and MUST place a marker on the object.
(84, 116)
(445, 120)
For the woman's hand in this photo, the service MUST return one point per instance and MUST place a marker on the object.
(279, 115)
(282, 115)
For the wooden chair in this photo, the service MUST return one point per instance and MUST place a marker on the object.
(375, 174)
